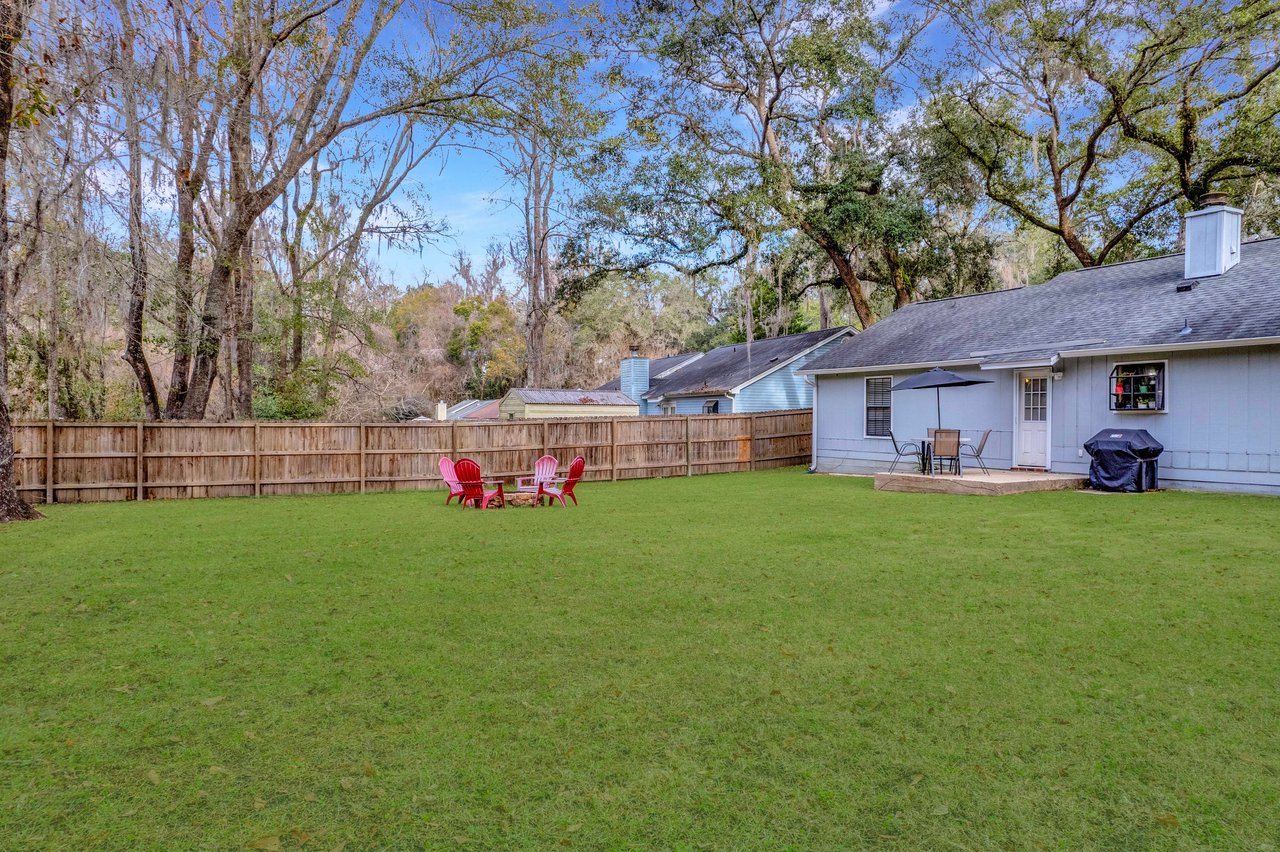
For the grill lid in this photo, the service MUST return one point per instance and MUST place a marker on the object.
(1136, 442)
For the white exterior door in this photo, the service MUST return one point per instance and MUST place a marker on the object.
(1031, 435)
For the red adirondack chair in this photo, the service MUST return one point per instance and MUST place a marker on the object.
(552, 491)
(544, 471)
(473, 487)
(450, 479)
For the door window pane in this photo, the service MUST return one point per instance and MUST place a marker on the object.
(1035, 399)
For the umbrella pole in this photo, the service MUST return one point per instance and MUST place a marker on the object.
(937, 392)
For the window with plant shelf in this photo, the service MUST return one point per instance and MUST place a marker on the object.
(1138, 387)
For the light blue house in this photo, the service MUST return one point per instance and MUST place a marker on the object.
(741, 377)
(1185, 346)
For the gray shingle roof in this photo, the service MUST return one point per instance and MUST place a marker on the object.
(543, 396)
(1135, 304)
(726, 367)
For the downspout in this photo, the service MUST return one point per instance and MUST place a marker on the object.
(812, 381)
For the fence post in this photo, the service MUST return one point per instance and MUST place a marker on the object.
(613, 449)
(141, 465)
(49, 459)
(257, 462)
(453, 440)
(362, 449)
(545, 449)
(688, 448)
(751, 444)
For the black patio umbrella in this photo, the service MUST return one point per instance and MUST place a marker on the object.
(938, 378)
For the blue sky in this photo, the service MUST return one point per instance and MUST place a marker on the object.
(469, 192)
(472, 195)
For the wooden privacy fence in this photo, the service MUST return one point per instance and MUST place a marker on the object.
(67, 462)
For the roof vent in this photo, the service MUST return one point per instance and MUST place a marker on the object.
(1187, 287)
(1213, 237)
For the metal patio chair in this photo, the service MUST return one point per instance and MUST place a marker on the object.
(974, 451)
(906, 448)
(946, 449)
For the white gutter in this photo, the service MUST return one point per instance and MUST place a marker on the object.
(1070, 353)
(1066, 344)
(1173, 347)
(813, 425)
(1021, 365)
(881, 368)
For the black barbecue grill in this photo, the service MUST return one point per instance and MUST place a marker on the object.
(1124, 460)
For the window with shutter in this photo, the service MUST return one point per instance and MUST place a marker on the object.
(879, 418)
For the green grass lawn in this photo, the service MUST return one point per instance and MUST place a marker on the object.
(750, 661)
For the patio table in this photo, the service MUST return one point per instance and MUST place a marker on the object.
(926, 452)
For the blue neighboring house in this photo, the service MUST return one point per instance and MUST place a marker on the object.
(733, 379)
(1186, 346)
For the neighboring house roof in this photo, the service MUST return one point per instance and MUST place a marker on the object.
(1139, 305)
(543, 396)
(460, 410)
(725, 369)
(486, 410)
(657, 366)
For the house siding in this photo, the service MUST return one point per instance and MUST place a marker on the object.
(692, 405)
(1220, 430)
(840, 444)
(536, 411)
(782, 389)
(511, 406)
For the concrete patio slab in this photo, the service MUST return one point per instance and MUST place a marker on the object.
(996, 484)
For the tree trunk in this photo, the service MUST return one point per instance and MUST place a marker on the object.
(51, 345)
(244, 330)
(182, 293)
(1075, 245)
(844, 269)
(228, 392)
(228, 258)
(204, 366)
(534, 246)
(824, 310)
(13, 22)
(12, 507)
(134, 354)
(189, 178)
(293, 251)
(901, 292)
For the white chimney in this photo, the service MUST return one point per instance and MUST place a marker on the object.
(1213, 237)
(442, 410)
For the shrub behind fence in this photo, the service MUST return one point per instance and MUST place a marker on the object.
(68, 462)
